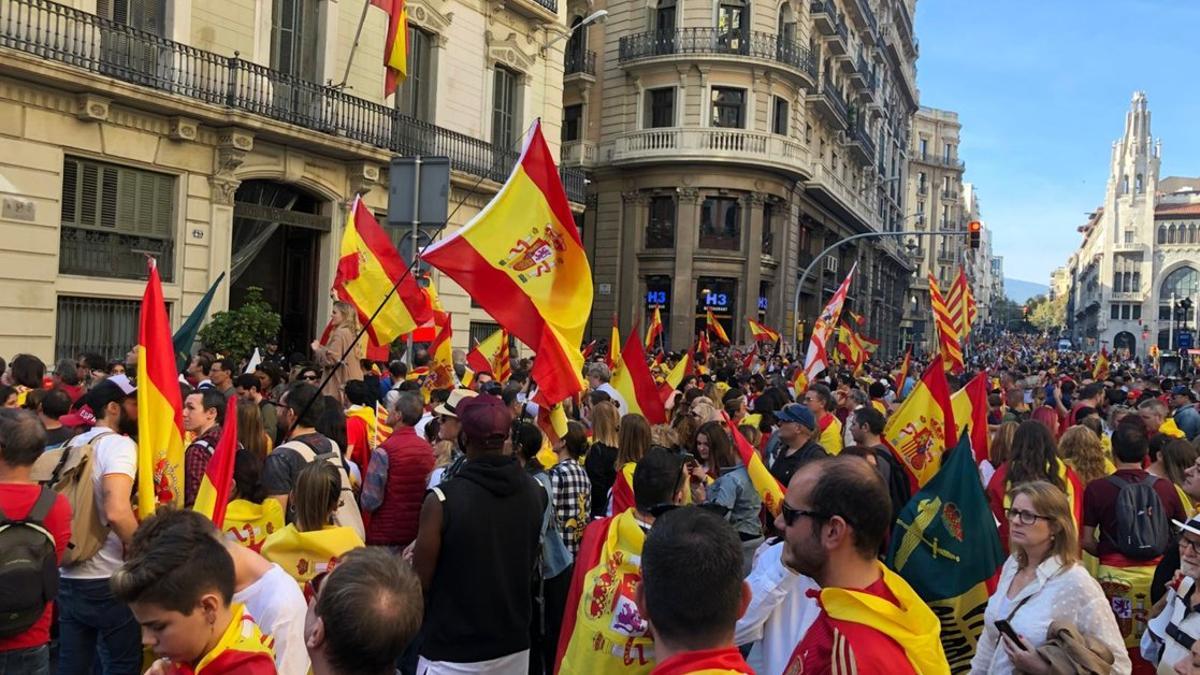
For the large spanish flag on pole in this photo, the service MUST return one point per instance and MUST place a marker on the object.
(213, 495)
(635, 384)
(971, 408)
(655, 329)
(160, 408)
(712, 324)
(522, 260)
(395, 49)
(368, 270)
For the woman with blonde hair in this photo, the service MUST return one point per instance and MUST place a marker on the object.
(311, 543)
(632, 445)
(601, 460)
(1043, 582)
(1080, 448)
(344, 318)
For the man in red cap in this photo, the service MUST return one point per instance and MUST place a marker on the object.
(476, 547)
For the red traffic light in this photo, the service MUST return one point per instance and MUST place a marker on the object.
(973, 234)
(974, 226)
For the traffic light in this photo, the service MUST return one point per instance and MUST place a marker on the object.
(974, 229)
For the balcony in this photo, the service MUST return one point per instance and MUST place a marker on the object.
(1129, 247)
(580, 62)
(691, 43)
(112, 255)
(904, 27)
(952, 163)
(845, 196)
(579, 153)
(947, 256)
(692, 144)
(544, 10)
(828, 23)
(860, 144)
(54, 32)
(949, 194)
(829, 102)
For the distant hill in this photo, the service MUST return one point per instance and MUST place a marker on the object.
(1019, 291)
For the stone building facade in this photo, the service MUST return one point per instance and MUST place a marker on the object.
(200, 132)
(1139, 252)
(727, 144)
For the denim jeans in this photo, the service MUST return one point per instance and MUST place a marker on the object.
(29, 661)
(91, 620)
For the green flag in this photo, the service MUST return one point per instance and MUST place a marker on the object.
(186, 335)
(946, 546)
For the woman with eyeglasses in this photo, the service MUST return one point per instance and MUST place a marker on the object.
(1042, 582)
(345, 328)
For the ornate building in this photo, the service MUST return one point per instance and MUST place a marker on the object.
(201, 133)
(728, 144)
(1138, 258)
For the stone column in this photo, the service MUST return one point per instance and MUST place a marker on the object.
(232, 147)
(683, 287)
(752, 272)
(633, 223)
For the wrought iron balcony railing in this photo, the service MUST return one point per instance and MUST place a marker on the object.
(757, 44)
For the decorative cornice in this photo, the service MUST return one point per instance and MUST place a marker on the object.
(508, 51)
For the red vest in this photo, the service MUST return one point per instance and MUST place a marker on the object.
(410, 461)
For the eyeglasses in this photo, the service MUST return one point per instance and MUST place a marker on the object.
(1185, 543)
(790, 514)
(1025, 517)
(312, 588)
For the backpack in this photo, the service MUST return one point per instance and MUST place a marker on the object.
(347, 514)
(28, 567)
(68, 471)
(1142, 530)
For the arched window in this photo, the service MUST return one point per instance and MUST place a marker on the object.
(1182, 283)
(1162, 234)
(1191, 239)
(1171, 234)
(1140, 185)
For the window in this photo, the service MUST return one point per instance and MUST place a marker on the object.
(660, 108)
(576, 46)
(112, 216)
(923, 150)
(99, 325)
(660, 226)
(1140, 185)
(720, 223)
(732, 24)
(728, 107)
(572, 118)
(779, 119)
(504, 109)
(921, 184)
(947, 152)
(414, 97)
(921, 207)
(720, 295)
(1125, 310)
(664, 18)
(294, 38)
(658, 295)
(768, 229)
(1137, 313)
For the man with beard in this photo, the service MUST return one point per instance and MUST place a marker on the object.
(834, 519)
(1176, 623)
(90, 616)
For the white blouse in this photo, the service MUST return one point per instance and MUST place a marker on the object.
(1057, 594)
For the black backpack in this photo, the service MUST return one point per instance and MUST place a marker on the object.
(1142, 529)
(28, 567)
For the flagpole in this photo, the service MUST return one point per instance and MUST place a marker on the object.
(362, 18)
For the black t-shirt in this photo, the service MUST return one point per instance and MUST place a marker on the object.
(600, 465)
(59, 436)
(785, 465)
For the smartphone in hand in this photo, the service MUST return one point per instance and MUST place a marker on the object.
(1006, 629)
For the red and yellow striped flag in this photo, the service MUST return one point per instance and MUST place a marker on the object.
(952, 356)
(715, 326)
(381, 431)
(1100, 371)
(655, 329)
(614, 346)
(492, 356)
(366, 272)
(635, 384)
(160, 408)
(761, 333)
(395, 49)
(522, 260)
(215, 486)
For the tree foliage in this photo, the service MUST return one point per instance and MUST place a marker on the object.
(237, 332)
(1046, 314)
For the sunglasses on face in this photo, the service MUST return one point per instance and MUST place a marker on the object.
(312, 588)
(790, 514)
(1185, 544)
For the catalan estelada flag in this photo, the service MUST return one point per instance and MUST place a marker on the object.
(711, 324)
(160, 408)
(395, 49)
(213, 496)
(521, 259)
(768, 489)
(635, 384)
(946, 546)
(655, 329)
(492, 356)
(367, 270)
(761, 333)
(923, 427)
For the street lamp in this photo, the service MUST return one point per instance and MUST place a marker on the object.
(597, 16)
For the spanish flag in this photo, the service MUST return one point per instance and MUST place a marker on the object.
(250, 524)
(971, 407)
(395, 50)
(492, 356)
(923, 427)
(655, 329)
(903, 377)
(242, 648)
(764, 483)
(213, 496)
(602, 630)
(635, 384)
(441, 365)
(1100, 371)
(522, 260)
(614, 346)
(715, 326)
(304, 555)
(761, 333)
(702, 345)
(160, 408)
(368, 270)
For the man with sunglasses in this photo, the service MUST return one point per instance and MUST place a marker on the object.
(835, 517)
(796, 447)
(1175, 625)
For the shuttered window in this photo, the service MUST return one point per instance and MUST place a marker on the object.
(102, 325)
(113, 217)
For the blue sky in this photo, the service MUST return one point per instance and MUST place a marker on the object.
(1041, 88)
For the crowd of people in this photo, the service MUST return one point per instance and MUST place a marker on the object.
(454, 531)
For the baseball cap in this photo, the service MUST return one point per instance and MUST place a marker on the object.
(485, 420)
(80, 417)
(798, 413)
(1182, 390)
(452, 404)
(109, 390)
(1192, 525)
